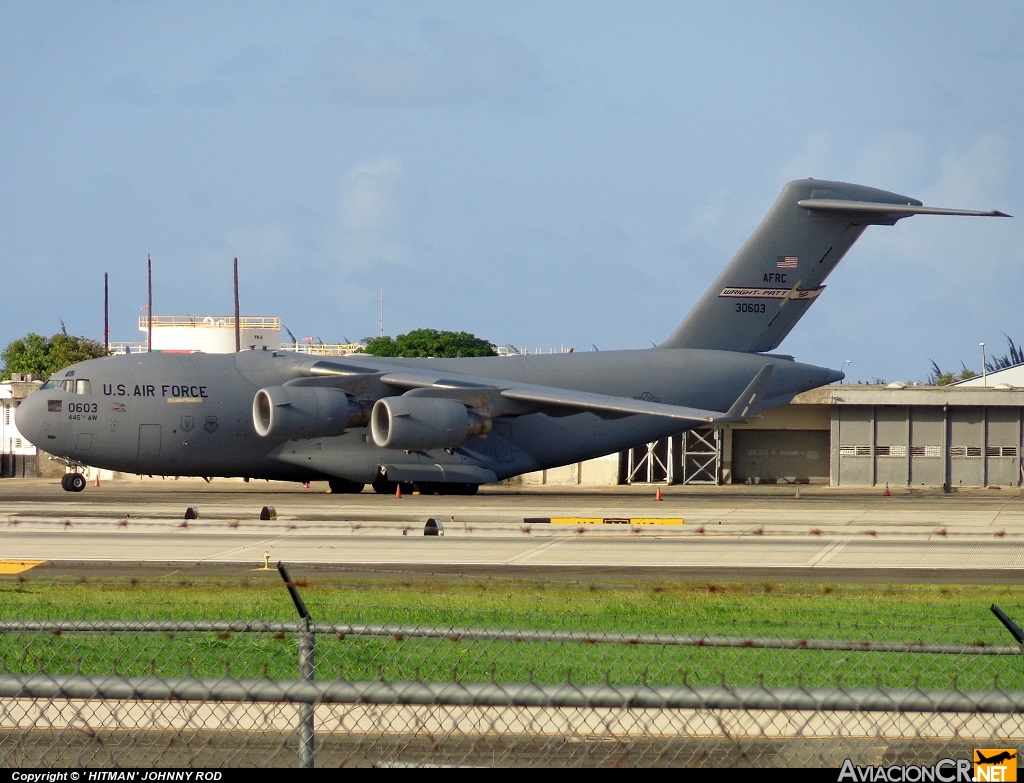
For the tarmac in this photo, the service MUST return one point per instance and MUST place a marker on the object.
(727, 533)
(189, 528)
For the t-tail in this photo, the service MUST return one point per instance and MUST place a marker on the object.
(781, 269)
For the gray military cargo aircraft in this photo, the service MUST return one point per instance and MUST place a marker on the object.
(450, 425)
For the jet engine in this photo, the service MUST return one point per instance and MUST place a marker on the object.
(415, 423)
(295, 412)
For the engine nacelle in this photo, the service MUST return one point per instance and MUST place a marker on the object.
(296, 412)
(420, 423)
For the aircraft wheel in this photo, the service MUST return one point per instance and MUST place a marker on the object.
(340, 486)
(457, 489)
(384, 487)
(73, 482)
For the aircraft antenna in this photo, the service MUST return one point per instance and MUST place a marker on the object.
(106, 314)
(149, 304)
(238, 332)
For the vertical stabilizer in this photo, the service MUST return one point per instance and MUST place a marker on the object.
(781, 269)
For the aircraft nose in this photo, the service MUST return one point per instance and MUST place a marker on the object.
(28, 417)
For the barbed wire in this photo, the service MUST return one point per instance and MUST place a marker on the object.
(731, 529)
(457, 634)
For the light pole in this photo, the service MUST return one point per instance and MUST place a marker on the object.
(842, 368)
(984, 370)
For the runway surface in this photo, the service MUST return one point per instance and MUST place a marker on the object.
(777, 533)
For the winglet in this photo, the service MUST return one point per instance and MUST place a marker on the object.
(747, 405)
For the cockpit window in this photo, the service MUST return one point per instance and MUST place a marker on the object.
(70, 385)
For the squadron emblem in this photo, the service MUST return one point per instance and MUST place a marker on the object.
(211, 425)
(188, 423)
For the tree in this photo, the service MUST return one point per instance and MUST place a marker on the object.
(996, 363)
(940, 378)
(430, 342)
(1013, 358)
(43, 356)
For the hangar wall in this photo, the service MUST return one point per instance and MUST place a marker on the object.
(973, 445)
(861, 435)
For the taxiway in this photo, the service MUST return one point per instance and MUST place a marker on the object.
(728, 533)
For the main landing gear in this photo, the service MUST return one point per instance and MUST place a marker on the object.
(72, 482)
(384, 487)
(340, 486)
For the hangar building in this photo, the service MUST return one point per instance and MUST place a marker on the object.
(849, 435)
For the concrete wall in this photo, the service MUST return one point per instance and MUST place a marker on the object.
(603, 471)
(786, 457)
(17, 455)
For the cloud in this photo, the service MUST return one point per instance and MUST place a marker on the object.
(978, 177)
(893, 160)
(815, 159)
(253, 70)
(368, 214)
(440, 66)
(975, 174)
(256, 72)
(710, 215)
(267, 247)
(132, 88)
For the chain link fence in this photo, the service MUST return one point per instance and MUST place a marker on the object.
(76, 721)
(241, 694)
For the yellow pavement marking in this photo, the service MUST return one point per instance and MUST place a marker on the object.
(17, 566)
(615, 520)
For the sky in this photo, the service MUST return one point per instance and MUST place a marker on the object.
(538, 174)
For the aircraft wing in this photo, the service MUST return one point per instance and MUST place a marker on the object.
(495, 395)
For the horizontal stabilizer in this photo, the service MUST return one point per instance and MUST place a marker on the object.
(903, 210)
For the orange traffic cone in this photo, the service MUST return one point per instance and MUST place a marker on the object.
(97, 479)
(398, 490)
(887, 493)
(657, 495)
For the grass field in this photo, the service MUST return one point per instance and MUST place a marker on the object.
(897, 613)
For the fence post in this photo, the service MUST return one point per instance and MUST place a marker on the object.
(306, 671)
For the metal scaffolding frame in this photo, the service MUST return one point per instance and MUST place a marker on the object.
(692, 457)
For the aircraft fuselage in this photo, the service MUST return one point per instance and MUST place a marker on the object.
(192, 414)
